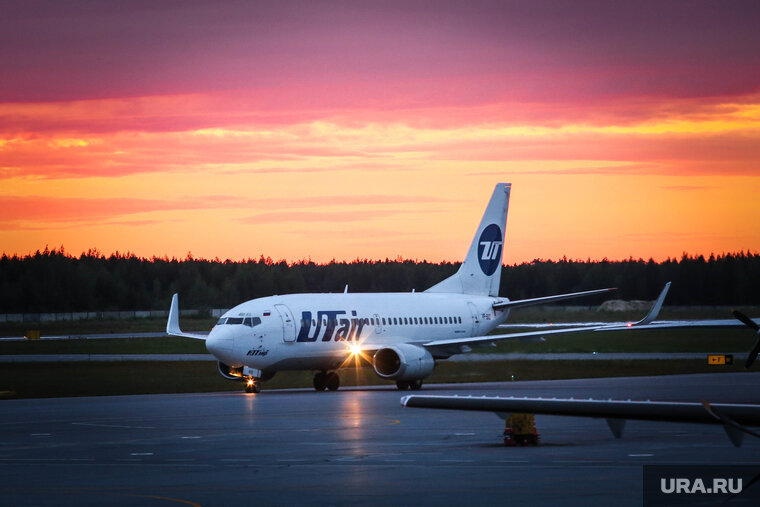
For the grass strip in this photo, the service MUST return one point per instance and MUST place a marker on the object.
(19, 380)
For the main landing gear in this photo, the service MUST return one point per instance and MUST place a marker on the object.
(252, 385)
(324, 380)
(414, 385)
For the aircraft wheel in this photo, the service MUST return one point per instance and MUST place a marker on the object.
(402, 385)
(415, 385)
(320, 381)
(332, 381)
(248, 388)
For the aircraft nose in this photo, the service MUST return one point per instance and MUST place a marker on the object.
(219, 342)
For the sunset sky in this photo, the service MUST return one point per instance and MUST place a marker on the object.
(345, 129)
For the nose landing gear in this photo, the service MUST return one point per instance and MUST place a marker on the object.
(252, 385)
(324, 380)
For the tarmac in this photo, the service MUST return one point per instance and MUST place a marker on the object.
(458, 358)
(353, 446)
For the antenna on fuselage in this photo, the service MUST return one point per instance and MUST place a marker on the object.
(345, 289)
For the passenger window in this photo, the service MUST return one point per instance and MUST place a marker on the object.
(406, 321)
(395, 321)
(426, 320)
(460, 319)
(435, 320)
(383, 320)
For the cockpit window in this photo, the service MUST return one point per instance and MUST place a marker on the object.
(251, 321)
(246, 321)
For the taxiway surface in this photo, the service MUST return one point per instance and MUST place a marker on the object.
(354, 446)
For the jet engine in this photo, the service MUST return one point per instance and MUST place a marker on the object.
(403, 362)
(230, 372)
(237, 373)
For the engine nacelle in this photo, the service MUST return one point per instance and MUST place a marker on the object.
(403, 362)
(230, 372)
(241, 372)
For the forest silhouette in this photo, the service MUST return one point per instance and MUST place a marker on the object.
(55, 281)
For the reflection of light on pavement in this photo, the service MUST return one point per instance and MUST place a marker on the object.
(351, 407)
(250, 401)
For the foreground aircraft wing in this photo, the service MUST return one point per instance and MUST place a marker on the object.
(733, 417)
(172, 324)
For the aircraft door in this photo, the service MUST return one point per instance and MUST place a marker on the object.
(288, 323)
(378, 326)
(475, 319)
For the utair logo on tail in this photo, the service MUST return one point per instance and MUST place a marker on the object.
(489, 249)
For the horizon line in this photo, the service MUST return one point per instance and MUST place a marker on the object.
(96, 253)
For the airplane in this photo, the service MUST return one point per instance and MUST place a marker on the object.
(402, 335)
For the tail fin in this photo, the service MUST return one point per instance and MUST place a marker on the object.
(480, 272)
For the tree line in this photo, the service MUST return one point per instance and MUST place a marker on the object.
(55, 281)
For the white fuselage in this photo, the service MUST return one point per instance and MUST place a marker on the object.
(316, 331)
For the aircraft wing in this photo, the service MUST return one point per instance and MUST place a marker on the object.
(526, 336)
(680, 324)
(172, 324)
(733, 417)
(538, 335)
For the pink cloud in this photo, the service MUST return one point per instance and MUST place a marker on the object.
(18, 213)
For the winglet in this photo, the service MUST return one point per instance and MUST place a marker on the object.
(656, 307)
(172, 324)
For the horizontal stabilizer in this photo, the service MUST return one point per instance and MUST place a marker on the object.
(502, 305)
